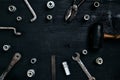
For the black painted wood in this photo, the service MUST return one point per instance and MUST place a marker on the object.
(41, 39)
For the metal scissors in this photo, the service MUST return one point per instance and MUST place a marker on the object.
(72, 11)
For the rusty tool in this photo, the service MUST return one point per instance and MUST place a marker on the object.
(14, 60)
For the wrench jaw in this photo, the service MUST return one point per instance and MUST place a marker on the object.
(77, 57)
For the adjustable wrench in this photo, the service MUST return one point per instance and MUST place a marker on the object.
(77, 58)
(14, 60)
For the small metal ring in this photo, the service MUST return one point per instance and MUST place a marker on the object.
(86, 17)
(33, 60)
(85, 52)
(6, 47)
(96, 4)
(19, 18)
(49, 17)
(12, 8)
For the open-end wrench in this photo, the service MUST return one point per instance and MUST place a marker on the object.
(14, 60)
(31, 10)
(77, 58)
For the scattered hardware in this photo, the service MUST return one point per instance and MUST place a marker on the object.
(12, 8)
(99, 61)
(96, 4)
(77, 58)
(66, 68)
(11, 28)
(96, 36)
(31, 10)
(14, 60)
(19, 18)
(30, 73)
(84, 51)
(49, 17)
(72, 11)
(86, 17)
(53, 66)
(33, 60)
(50, 4)
(6, 47)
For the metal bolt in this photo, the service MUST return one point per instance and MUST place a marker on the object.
(33, 60)
(30, 73)
(50, 4)
(6, 47)
(12, 8)
(19, 18)
(99, 61)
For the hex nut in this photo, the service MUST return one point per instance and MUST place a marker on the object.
(99, 61)
(12, 8)
(30, 73)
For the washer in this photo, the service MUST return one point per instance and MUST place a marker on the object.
(19, 18)
(33, 60)
(30, 73)
(50, 4)
(86, 17)
(12, 8)
(6, 47)
(49, 17)
(96, 4)
(84, 51)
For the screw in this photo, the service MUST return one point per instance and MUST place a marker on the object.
(50, 4)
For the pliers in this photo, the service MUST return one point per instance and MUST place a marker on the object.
(72, 11)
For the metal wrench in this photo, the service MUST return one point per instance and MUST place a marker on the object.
(77, 58)
(14, 60)
(31, 10)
